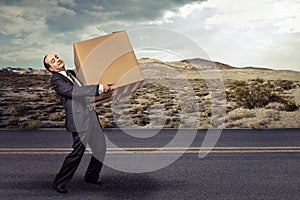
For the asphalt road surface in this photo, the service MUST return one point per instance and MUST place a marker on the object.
(157, 164)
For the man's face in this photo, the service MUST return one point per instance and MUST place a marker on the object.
(55, 62)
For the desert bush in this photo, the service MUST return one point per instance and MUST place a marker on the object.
(176, 119)
(250, 97)
(106, 123)
(50, 99)
(13, 122)
(275, 106)
(16, 99)
(239, 114)
(43, 117)
(141, 121)
(173, 125)
(50, 109)
(34, 116)
(19, 110)
(285, 84)
(283, 105)
(238, 83)
(35, 99)
(29, 125)
(289, 106)
(56, 117)
(257, 94)
(259, 80)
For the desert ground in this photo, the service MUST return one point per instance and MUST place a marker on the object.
(184, 94)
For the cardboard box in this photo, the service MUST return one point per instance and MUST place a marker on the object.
(108, 59)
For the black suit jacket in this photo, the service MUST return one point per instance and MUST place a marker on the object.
(73, 99)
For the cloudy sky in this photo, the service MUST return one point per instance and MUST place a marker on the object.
(261, 33)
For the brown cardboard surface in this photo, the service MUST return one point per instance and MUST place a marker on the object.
(108, 59)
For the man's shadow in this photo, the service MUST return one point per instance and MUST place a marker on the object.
(126, 186)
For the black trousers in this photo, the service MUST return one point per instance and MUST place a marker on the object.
(94, 138)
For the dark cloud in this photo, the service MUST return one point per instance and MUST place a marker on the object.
(140, 10)
(105, 11)
(62, 17)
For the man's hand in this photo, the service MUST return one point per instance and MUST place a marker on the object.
(107, 87)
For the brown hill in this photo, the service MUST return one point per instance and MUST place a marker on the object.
(196, 64)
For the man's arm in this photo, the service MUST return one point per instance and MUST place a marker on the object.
(65, 88)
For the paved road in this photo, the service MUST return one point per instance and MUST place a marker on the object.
(245, 164)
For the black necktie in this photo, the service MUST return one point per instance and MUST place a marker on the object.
(76, 82)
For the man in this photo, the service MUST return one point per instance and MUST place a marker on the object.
(81, 120)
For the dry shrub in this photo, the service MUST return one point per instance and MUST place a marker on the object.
(289, 105)
(34, 116)
(30, 125)
(258, 80)
(13, 122)
(283, 105)
(16, 99)
(173, 125)
(56, 117)
(285, 84)
(141, 121)
(258, 94)
(106, 123)
(19, 110)
(275, 106)
(240, 114)
(238, 83)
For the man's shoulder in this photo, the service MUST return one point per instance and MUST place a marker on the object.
(56, 76)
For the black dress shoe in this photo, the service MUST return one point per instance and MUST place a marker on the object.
(97, 182)
(59, 188)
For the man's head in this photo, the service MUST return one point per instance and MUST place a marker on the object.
(53, 63)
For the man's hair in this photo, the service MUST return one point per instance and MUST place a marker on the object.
(46, 65)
